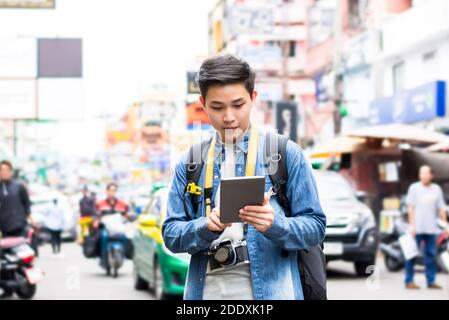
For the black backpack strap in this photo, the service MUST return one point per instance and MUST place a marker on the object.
(276, 162)
(194, 166)
(312, 261)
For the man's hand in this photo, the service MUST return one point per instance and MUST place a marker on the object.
(261, 217)
(213, 221)
(413, 231)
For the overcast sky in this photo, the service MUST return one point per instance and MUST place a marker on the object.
(128, 45)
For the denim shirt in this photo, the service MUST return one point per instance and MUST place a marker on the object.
(274, 277)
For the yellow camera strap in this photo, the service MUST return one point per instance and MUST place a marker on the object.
(250, 165)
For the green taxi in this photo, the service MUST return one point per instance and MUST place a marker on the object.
(155, 267)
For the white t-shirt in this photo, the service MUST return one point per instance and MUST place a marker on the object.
(426, 202)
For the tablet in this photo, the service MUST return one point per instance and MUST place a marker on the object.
(235, 193)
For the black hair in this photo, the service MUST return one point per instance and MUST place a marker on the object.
(223, 70)
(111, 184)
(6, 163)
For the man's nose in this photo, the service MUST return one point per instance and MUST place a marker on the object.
(229, 116)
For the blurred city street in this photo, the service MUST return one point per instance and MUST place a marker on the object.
(71, 277)
(99, 101)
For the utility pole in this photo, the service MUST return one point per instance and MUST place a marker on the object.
(336, 67)
(14, 137)
(285, 53)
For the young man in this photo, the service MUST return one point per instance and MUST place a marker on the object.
(260, 270)
(425, 202)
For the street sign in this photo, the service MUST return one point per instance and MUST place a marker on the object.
(420, 104)
(287, 119)
(192, 86)
(247, 20)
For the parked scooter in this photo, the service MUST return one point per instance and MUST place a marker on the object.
(17, 272)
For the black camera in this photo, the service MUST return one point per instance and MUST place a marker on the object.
(228, 254)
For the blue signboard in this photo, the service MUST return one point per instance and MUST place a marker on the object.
(420, 104)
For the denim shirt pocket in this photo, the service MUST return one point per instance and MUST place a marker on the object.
(189, 199)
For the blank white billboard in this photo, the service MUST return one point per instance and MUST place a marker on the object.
(61, 99)
(17, 99)
(18, 58)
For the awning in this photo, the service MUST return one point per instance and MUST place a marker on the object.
(440, 146)
(337, 146)
(399, 132)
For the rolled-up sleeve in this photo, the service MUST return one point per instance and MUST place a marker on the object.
(306, 226)
(180, 231)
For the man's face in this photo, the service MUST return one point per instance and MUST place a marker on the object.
(229, 107)
(425, 175)
(111, 192)
(5, 172)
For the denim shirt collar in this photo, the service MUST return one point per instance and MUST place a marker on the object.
(242, 145)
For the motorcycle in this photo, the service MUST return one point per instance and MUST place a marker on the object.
(17, 271)
(113, 242)
(393, 226)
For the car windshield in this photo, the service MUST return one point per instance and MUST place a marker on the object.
(333, 188)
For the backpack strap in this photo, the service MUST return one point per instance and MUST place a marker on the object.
(194, 166)
(276, 161)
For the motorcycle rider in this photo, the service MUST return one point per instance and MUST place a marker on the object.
(110, 205)
(14, 206)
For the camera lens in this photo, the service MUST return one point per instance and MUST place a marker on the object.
(222, 255)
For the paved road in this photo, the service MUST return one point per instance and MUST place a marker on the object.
(72, 277)
(381, 285)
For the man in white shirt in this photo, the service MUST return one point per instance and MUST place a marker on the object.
(425, 204)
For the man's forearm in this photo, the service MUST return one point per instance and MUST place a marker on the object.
(411, 216)
(443, 215)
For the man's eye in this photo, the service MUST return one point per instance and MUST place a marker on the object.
(239, 105)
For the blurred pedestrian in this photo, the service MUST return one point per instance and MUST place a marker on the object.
(14, 203)
(87, 204)
(55, 224)
(425, 203)
(88, 212)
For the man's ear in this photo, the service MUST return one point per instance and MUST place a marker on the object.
(203, 103)
(254, 96)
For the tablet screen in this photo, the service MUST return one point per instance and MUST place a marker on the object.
(237, 192)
